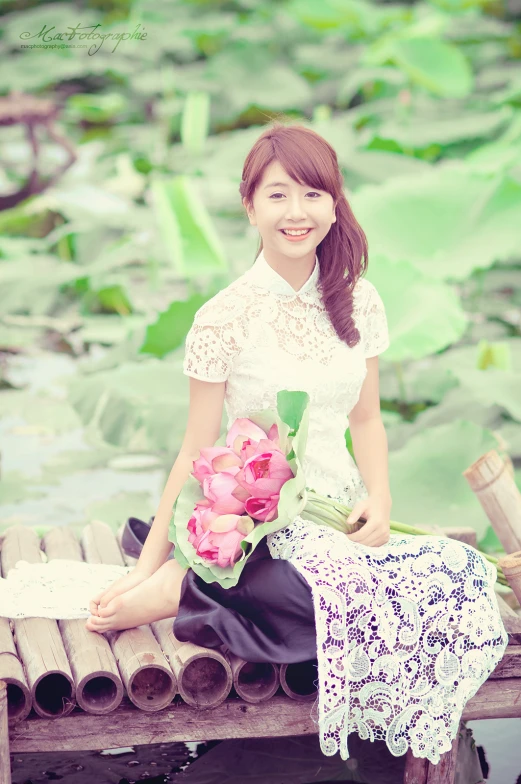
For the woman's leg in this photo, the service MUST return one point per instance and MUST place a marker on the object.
(155, 598)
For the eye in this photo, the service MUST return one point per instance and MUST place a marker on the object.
(281, 194)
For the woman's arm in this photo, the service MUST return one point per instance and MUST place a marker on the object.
(157, 546)
(371, 453)
(368, 435)
(202, 429)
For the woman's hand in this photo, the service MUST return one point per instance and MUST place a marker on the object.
(376, 531)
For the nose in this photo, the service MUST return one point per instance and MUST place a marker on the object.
(295, 209)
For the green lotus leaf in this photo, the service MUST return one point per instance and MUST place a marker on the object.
(448, 223)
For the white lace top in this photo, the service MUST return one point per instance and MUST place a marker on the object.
(260, 336)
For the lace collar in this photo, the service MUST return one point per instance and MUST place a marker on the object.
(265, 276)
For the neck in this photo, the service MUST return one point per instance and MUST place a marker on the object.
(295, 271)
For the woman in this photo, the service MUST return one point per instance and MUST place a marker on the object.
(405, 629)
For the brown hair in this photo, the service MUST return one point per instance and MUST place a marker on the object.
(309, 159)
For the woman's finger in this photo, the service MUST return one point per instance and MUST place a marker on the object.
(365, 531)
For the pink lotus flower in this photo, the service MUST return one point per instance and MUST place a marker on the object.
(264, 473)
(201, 518)
(240, 481)
(263, 476)
(263, 509)
(244, 435)
(224, 493)
(214, 459)
(221, 543)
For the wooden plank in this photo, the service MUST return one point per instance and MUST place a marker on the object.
(510, 664)
(496, 699)
(127, 726)
(511, 621)
(235, 718)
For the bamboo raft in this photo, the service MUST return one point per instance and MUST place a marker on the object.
(64, 688)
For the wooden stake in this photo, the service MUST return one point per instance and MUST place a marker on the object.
(511, 565)
(420, 771)
(497, 493)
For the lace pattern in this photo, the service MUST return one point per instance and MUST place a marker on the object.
(406, 634)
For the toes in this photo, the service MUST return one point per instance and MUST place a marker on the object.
(97, 625)
(94, 602)
(111, 608)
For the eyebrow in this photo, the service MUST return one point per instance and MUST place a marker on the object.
(281, 184)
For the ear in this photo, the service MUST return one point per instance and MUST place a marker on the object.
(250, 212)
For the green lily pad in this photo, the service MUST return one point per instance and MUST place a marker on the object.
(426, 477)
(424, 315)
(447, 223)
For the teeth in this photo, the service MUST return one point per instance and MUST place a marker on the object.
(294, 233)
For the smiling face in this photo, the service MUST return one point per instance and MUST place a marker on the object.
(279, 202)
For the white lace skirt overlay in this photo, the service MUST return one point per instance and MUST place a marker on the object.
(406, 634)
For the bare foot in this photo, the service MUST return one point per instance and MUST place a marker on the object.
(152, 600)
(119, 586)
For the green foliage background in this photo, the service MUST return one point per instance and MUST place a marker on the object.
(101, 273)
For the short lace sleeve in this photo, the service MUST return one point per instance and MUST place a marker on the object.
(211, 345)
(375, 330)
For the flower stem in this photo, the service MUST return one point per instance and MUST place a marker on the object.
(328, 509)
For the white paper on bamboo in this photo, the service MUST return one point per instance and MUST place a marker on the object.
(58, 589)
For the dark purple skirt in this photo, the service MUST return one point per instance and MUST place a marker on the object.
(267, 617)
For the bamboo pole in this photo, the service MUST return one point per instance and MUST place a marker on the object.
(253, 681)
(5, 761)
(19, 700)
(98, 684)
(492, 482)
(511, 565)
(204, 680)
(38, 640)
(299, 680)
(204, 676)
(150, 683)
